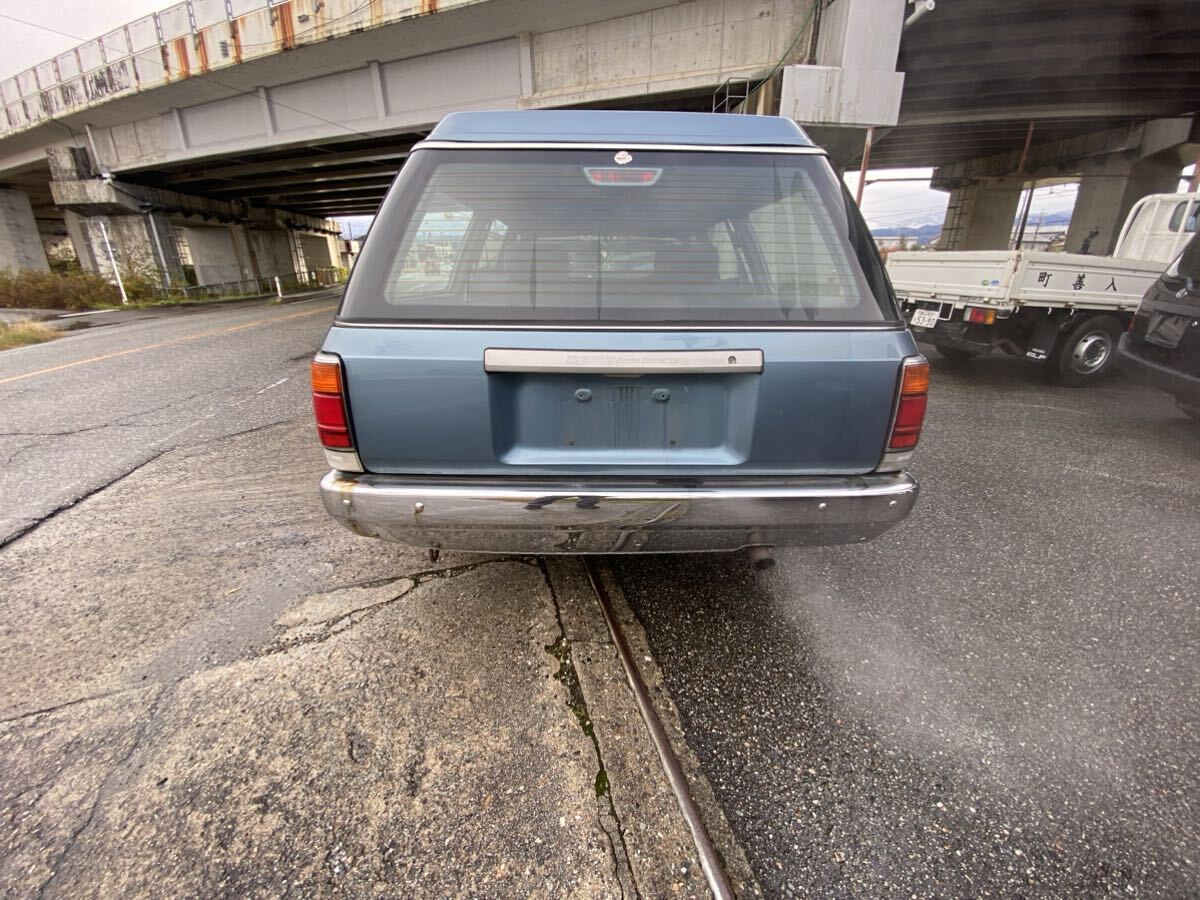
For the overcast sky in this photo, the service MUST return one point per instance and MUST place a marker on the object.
(23, 46)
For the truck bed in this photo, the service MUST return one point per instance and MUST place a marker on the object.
(1006, 280)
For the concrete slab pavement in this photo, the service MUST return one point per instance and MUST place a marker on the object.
(206, 688)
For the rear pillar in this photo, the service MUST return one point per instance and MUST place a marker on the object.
(1106, 196)
(20, 243)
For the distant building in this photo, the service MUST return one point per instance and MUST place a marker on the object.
(1045, 239)
(898, 242)
(348, 249)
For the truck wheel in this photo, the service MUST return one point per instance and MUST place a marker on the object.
(955, 354)
(1088, 351)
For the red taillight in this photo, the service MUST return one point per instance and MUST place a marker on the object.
(605, 176)
(329, 402)
(980, 316)
(910, 411)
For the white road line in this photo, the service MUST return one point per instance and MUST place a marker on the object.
(269, 386)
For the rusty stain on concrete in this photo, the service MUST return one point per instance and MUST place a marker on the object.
(235, 42)
(181, 56)
(284, 25)
(202, 53)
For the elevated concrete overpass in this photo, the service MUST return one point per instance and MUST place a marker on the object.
(997, 94)
(261, 118)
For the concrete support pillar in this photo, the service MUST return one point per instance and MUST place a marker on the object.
(273, 252)
(20, 243)
(980, 215)
(215, 256)
(1106, 196)
(320, 253)
(166, 253)
(99, 240)
(853, 83)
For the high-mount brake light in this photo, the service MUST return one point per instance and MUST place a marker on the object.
(910, 410)
(329, 402)
(611, 175)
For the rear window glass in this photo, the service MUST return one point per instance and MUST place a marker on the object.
(602, 236)
(1178, 222)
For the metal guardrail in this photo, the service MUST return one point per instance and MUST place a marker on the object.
(292, 281)
(186, 40)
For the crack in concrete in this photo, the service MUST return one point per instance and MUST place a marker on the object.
(121, 422)
(69, 703)
(360, 614)
(35, 523)
(75, 501)
(577, 703)
(424, 574)
(45, 437)
(102, 792)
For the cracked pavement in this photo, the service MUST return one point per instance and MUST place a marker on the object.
(209, 688)
(997, 698)
(123, 394)
(313, 713)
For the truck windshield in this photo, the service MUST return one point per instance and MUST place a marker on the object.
(629, 236)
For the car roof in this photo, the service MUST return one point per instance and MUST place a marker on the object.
(610, 126)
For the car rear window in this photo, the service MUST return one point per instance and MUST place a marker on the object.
(618, 236)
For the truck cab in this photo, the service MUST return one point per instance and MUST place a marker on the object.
(598, 332)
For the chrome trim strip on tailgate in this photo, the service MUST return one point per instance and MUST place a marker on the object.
(622, 362)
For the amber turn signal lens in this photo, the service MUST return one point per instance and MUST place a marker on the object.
(326, 377)
(916, 379)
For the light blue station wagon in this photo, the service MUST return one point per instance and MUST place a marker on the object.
(601, 332)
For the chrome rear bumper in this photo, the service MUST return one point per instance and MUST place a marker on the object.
(562, 516)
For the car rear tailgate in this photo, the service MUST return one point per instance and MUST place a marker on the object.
(423, 402)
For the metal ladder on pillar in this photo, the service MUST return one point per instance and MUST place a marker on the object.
(954, 216)
(731, 94)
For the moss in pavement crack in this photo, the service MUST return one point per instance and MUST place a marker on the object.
(569, 678)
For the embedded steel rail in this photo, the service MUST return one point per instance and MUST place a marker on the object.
(710, 862)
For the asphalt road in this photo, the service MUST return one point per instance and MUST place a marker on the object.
(84, 410)
(998, 698)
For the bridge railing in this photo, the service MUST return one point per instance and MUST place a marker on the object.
(189, 39)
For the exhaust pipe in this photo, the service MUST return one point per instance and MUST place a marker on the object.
(761, 558)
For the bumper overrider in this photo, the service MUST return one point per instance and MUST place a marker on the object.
(497, 516)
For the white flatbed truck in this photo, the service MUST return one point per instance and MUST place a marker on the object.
(1065, 311)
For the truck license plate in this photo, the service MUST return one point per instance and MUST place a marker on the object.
(924, 318)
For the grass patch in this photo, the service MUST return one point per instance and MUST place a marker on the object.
(22, 334)
(72, 289)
